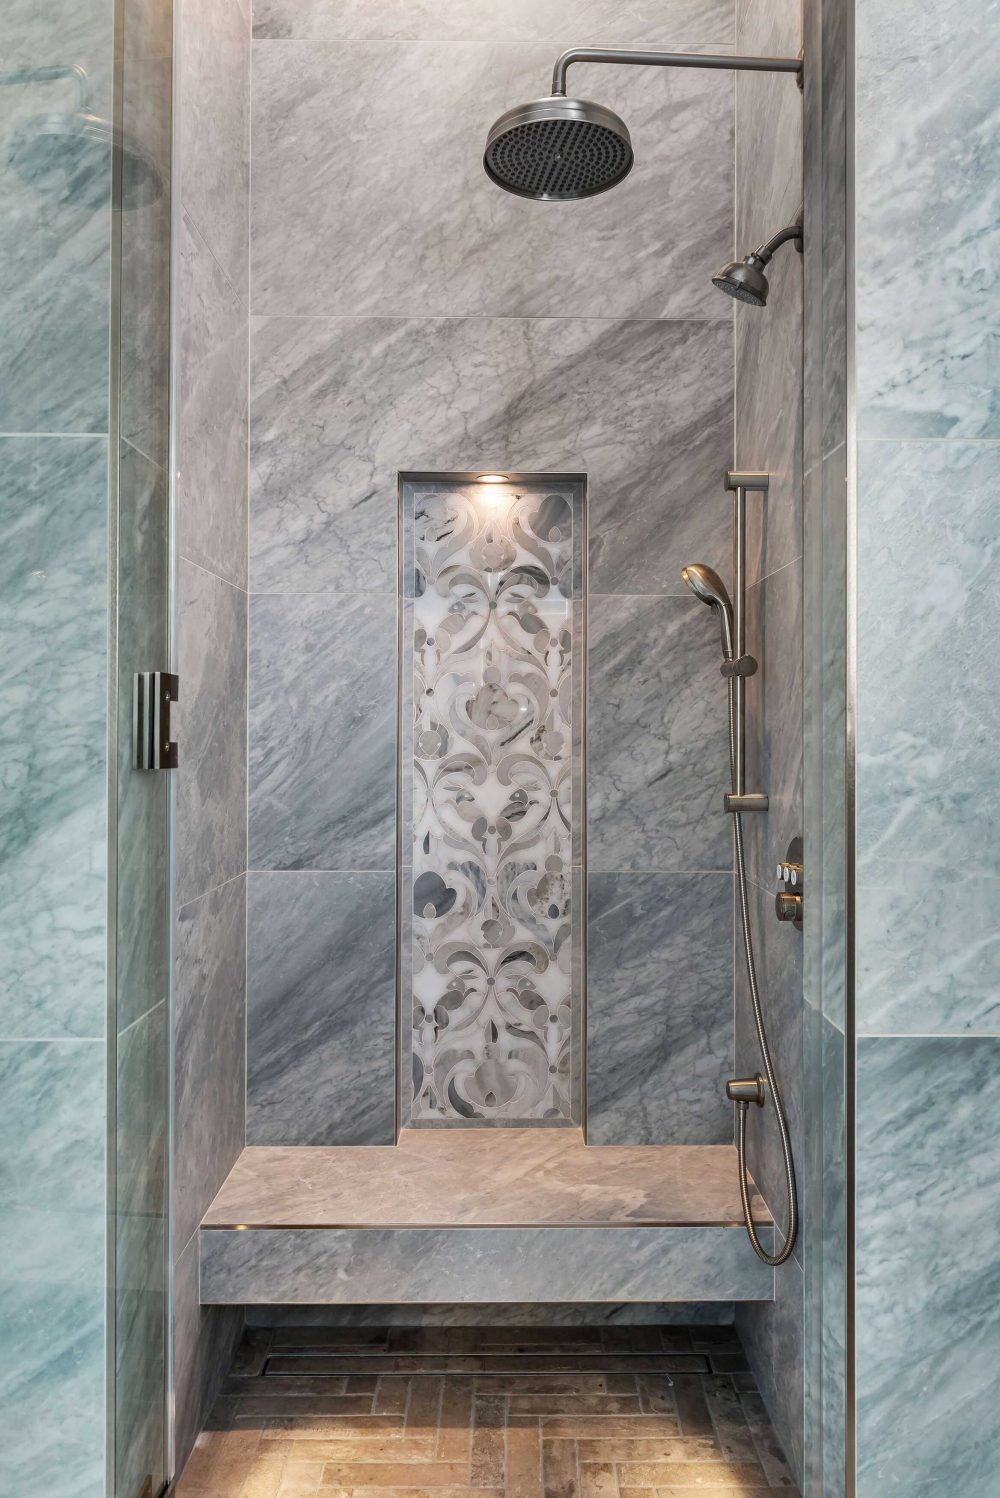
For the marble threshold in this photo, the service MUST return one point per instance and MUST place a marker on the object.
(476, 1215)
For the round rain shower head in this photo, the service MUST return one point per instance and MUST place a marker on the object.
(556, 149)
(68, 157)
(745, 280)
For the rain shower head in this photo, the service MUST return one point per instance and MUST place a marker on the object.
(556, 149)
(706, 584)
(745, 279)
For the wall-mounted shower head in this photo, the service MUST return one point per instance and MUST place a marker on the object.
(706, 584)
(557, 149)
(745, 279)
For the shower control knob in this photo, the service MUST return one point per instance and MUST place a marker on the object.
(788, 907)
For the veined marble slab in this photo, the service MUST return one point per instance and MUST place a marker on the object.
(416, 1265)
(481, 1178)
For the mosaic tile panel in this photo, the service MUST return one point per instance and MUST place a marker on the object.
(492, 658)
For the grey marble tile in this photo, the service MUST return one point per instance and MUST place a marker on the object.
(321, 1021)
(209, 1049)
(635, 23)
(210, 805)
(322, 732)
(660, 1008)
(55, 236)
(778, 954)
(212, 411)
(828, 1322)
(52, 1301)
(657, 754)
(204, 1341)
(340, 406)
(140, 1251)
(213, 134)
(834, 267)
(476, 1264)
(144, 286)
(769, 341)
(928, 539)
(825, 633)
(926, 135)
(497, 1313)
(928, 949)
(768, 414)
(774, 719)
(928, 1303)
(771, 1334)
(348, 219)
(142, 842)
(53, 582)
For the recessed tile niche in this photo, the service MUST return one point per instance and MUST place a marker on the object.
(491, 797)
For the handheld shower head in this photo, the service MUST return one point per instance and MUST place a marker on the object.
(706, 584)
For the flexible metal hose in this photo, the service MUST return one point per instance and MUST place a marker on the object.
(772, 1081)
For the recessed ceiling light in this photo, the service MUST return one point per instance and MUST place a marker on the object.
(492, 478)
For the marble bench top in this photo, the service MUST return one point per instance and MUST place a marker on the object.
(438, 1178)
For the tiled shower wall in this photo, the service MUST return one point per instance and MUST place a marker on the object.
(928, 722)
(409, 316)
(210, 234)
(769, 439)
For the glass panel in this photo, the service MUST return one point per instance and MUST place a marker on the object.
(140, 993)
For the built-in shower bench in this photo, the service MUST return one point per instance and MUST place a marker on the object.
(470, 1215)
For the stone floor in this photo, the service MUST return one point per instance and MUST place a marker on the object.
(614, 1412)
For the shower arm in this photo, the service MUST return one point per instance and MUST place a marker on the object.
(672, 60)
(50, 75)
(764, 253)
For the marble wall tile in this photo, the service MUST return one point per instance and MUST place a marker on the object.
(55, 234)
(212, 411)
(778, 953)
(476, 1264)
(53, 618)
(771, 1333)
(340, 406)
(826, 1273)
(495, 1314)
(209, 1049)
(321, 1021)
(213, 129)
(774, 718)
(323, 732)
(52, 1300)
(926, 123)
(928, 544)
(205, 1339)
(928, 812)
(660, 1008)
(210, 835)
(768, 416)
(634, 23)
(140, 1249)
(658, 756)
(348, 219)
(928, 1302)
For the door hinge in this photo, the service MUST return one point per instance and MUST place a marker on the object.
(153, 694)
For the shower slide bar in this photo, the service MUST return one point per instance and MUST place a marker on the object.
(742, 665)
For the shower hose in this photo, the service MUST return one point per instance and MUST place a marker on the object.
(774, 1092)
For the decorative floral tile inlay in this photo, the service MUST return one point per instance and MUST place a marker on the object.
(491, 955)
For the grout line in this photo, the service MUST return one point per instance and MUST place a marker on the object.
(212, 890)
(236, 587)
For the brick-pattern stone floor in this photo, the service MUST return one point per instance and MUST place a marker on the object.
(615, 1412)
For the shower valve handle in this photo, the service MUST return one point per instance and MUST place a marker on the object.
(745, 665)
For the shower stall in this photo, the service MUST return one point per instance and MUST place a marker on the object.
(425, 921)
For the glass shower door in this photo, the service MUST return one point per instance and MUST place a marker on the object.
(140, 947)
